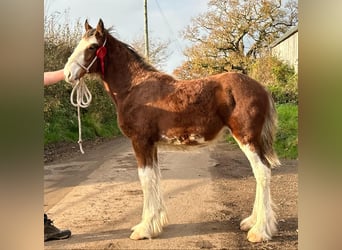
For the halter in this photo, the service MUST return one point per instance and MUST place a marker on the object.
(83, 95)
(100, 53)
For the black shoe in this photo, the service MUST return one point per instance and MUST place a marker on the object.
(53, 233)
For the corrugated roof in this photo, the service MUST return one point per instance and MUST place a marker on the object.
(289, 33)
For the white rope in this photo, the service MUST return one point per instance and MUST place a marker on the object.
(82, 100)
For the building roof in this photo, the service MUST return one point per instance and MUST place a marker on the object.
(289, 33)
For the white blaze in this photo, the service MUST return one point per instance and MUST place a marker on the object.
(72, 68)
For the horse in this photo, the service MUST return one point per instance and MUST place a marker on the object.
(154, 109)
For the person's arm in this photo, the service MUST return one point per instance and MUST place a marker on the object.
(53, 77)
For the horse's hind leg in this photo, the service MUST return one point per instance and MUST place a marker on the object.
(262, 222)
(154, 215)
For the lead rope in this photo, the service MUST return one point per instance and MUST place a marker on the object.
(83, 100)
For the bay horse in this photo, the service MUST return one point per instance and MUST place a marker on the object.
(154, 108)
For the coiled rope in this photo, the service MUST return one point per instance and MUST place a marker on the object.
(82, 100)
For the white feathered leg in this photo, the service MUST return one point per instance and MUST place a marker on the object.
(154, 215)
(262, 222)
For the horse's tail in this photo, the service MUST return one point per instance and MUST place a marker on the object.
(268, 135)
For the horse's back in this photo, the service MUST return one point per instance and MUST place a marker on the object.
(239, 84)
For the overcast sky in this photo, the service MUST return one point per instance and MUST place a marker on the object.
(166, 19)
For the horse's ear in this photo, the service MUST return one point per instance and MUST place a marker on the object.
(87, 26)
(100, 27)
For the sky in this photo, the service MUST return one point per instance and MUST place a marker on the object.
(166, 19)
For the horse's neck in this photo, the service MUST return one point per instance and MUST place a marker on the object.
(123, 71)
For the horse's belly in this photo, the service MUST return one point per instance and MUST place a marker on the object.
(188, 141)
(185, 140)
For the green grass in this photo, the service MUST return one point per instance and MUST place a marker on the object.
(60, 128)
(286, 143)
(63, 128)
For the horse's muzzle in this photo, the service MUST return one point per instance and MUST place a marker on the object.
(69, 76)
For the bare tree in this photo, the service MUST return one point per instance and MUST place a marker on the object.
(158, 50)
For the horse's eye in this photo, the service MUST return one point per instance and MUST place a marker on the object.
(92, 47)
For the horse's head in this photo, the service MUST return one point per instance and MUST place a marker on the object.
(88, 56)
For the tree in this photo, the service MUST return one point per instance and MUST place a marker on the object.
(232, 33)
(158, 50)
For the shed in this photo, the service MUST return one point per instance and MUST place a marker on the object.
(285, 48)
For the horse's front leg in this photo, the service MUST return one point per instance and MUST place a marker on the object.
(154, 215)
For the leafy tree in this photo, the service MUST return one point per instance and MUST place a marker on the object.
(232, 33)
(280, 78)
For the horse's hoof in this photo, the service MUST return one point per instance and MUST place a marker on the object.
(247, 224)
(139, 232)
(137, 235)
(255, 237)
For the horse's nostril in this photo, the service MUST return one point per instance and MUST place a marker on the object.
(68, 76)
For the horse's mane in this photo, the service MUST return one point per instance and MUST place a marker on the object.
(141, 60)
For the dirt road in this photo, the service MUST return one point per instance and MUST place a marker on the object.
(207, 192)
